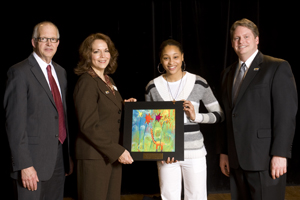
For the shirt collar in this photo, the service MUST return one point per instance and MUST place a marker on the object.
(249, 60)
(41, 63)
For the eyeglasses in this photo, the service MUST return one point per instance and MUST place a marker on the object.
(44, 39)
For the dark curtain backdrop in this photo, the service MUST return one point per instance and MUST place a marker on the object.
(137, 28)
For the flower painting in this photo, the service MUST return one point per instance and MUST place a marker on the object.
(153, 130)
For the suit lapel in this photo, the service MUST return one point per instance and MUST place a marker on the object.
(36, 70)
(116, 99)
(61, 80)
(251, 73)
(230, 82)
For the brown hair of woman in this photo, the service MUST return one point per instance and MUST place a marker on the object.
(85, 53)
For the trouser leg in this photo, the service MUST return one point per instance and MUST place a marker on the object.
(54, 187)
(97, 179)
(256, 185)
(46, 190)
(170, 180)
(24, 193)
(194, 177)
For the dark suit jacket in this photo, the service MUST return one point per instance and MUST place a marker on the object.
(99, 117)
(262, 121)
(32, 118)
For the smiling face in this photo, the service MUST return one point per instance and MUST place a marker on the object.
(171, 60)
(244, 42)
(100, 55)
(46, 50)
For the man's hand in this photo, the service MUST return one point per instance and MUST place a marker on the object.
(224, 164)
(71, 168)
(278, 166)
(125, 158)
(29, 178)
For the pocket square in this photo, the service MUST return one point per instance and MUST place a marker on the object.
(256, 69)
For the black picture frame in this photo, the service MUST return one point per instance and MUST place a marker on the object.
(171, 139)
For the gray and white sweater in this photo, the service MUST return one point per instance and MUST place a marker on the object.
(195, 90)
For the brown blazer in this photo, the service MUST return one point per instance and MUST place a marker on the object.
(99, 117)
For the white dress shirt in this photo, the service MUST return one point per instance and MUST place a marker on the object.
(248, 64)
(43, 65)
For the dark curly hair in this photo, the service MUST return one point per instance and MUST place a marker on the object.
(85, 53)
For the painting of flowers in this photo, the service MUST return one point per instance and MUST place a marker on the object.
(153, 130)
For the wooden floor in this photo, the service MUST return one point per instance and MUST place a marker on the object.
(292, 193)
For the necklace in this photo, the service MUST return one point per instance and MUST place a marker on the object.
(170, 92)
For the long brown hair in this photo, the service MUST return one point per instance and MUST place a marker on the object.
(85, 53)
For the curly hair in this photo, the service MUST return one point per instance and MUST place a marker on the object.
(85, 53)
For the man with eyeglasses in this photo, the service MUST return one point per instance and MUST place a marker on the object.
(36, 120)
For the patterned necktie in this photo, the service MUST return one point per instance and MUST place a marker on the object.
(57, 99)
(238, 81)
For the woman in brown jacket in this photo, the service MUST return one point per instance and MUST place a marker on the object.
(98, 107)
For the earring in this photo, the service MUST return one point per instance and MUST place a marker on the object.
(184, 66)
(159, 70)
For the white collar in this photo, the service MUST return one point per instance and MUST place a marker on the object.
(249, 60)
(185, 93)
(41, 63)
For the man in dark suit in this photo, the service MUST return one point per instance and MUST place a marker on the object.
(260, 101)
(36, 119)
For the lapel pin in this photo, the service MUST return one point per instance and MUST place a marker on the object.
(256, 69)
(106, 92)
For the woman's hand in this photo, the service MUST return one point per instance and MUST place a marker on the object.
(188, 108)
(168, 161)
(125, 158)
(130, 100)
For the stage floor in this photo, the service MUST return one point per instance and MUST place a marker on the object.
(292, 193)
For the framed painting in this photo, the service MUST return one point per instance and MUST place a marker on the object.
(154, 130)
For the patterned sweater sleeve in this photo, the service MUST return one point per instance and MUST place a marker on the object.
(215, 113)
(147, 91)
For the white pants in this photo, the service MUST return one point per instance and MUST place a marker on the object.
(193, 172)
